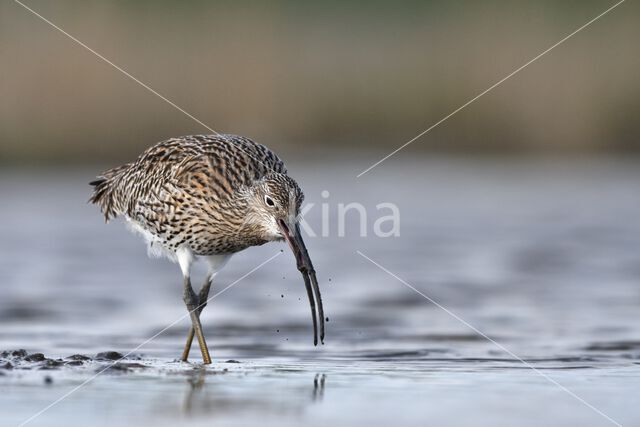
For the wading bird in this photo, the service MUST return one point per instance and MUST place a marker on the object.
(209, 196)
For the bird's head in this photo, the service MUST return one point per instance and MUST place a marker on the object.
(274, 207)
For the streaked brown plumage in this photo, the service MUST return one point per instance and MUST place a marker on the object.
(208, 196)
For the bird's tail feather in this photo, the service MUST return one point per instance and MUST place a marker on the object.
(104, 191)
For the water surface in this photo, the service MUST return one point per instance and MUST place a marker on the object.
(543, 258)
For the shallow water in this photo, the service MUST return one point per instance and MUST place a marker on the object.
(541, 257)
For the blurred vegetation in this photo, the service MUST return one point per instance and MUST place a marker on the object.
(302, 74)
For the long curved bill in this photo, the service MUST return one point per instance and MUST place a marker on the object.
(294, 239)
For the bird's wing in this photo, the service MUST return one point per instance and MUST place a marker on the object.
(203, 168)
(232, 161)
(221, 163)
(191, 174)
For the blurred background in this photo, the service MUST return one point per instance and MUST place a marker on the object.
(519, 214)
(302, 75)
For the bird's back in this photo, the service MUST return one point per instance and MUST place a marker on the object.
(184, 190)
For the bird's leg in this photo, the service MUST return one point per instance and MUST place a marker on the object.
(202, 303)
(191, 300)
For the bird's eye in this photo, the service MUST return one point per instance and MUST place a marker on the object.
(269, 201)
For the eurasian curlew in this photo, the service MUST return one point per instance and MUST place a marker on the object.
(209, 196)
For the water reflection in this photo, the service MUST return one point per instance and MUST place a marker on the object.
(318, 387)
(283, 395)
(196, 382)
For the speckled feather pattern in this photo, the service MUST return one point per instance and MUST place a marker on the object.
(196, 192)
